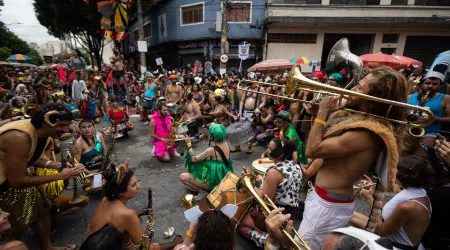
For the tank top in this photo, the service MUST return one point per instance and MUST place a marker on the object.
(150, 92)
(408, 194)
(287, 193)
(435, 106)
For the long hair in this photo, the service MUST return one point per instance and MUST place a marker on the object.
(112, 189)
(106, 238)
(214, 231)
(390, 85)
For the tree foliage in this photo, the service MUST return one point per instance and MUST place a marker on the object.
(12, 41)
(72, 19)
(5, 52)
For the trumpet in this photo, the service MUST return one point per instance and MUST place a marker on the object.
(298, 81)
(246, 184)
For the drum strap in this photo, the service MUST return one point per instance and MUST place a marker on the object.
(222, 155)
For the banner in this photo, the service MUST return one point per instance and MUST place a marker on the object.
(244, 51)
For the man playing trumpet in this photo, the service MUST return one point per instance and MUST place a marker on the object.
(349, 145)
(21, 145)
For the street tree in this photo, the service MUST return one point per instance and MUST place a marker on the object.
(73, 19)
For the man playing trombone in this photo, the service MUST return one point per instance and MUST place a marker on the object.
(349, 145)
(21, 145)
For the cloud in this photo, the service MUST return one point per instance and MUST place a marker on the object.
(30, 29)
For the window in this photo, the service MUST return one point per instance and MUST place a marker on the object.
(291, 38)
(390, 38)
(192, 14)
(388, 51)
(148, 30)
(240, 12)
(399, 2)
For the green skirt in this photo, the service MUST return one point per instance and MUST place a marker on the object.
(208, 171)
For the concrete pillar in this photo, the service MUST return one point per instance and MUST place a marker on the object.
(411, 2)
(401, 43)
(325, 2)
(385, 2)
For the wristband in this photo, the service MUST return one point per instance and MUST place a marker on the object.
(47, 163)
(188, 234)
(320, 121)
(270, 246)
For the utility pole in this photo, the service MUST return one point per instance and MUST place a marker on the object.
(141, 34)
(223, 40)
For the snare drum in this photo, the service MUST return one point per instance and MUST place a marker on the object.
(182, 129)
(174, 109)
(147, 103)
(228, 187)
(240, 133)
(260, 166)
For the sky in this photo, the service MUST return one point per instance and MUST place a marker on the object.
(22, 11)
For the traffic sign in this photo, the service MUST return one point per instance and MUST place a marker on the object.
(224, 58)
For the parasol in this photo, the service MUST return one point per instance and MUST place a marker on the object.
(19, 57)
(273, 64)
(380, 59)
(408, 61)
(299, 60)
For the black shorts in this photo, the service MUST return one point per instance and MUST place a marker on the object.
(117, 74)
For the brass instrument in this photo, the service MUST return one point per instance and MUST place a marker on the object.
(300, 81)
(25, 110)
(109, 154)
(340, 58)
(188, 201)
(246, 184)
(67, 156)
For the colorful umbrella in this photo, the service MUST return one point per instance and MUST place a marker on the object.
(380, 59)
(408, 61)
(272, 64)
(299, 60)
(19, 57)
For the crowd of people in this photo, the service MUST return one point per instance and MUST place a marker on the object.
(313, 144)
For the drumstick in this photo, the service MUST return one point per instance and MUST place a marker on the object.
(356, 188)
(261, 161)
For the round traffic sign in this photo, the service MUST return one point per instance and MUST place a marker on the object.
(224, 58)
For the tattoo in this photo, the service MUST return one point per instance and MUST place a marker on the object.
(203, 155)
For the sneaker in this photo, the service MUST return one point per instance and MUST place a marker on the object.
(146, 123)
(235, 149)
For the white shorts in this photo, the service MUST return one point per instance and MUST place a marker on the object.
(320, 217)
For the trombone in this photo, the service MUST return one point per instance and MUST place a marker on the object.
(246, 184)
(298, 81)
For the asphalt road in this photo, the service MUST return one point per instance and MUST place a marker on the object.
(167, 191)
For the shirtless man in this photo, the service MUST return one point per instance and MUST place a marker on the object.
(349, 146)
(118, 70)
(174, 92)
(191, 114)
(250, 105)
(21, 145)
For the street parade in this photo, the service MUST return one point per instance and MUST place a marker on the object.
(252, 141)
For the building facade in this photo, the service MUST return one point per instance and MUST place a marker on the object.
(52, 48)
(183, 31)
(416, 28)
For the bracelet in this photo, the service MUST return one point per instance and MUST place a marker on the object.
(47, 163)
(270, 246)
(320, 121)
(188, 234)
